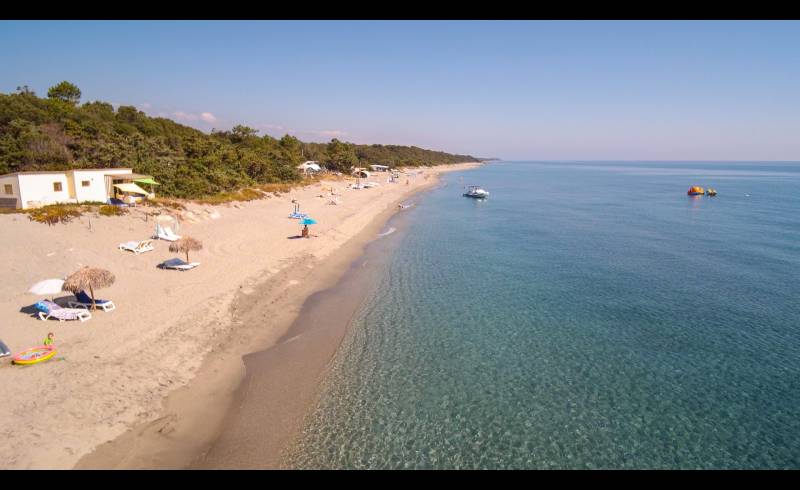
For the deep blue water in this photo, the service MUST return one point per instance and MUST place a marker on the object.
(586, 315)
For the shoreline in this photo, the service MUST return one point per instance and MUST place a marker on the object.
(192, 416)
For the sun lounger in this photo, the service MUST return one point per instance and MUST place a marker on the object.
(298, 215)
(178, 264)
(137, 247)
(116, 202)
(85, 301)
(48, 309)
(166, 233)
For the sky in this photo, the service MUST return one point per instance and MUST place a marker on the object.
(518, 90)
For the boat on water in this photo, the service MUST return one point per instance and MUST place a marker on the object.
(696, 191)
(711, 192)
(476, 192)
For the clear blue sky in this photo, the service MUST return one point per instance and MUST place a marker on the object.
(520, 90)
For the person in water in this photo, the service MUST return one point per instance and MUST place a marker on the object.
(50, 339)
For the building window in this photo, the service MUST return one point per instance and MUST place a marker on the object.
(57, 186)
(9, 189)
(84, 183)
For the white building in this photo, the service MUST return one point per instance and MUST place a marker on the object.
(379, 168)
(34, 189)
(361, 172)
(309, 167)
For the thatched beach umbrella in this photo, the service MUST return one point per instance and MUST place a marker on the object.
(88, 278)
(185, 244)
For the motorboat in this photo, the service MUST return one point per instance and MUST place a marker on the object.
(476, 192)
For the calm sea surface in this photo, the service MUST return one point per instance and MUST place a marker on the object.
(586, 315)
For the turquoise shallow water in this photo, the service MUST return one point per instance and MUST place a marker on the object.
(587, 315)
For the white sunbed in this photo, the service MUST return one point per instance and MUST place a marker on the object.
(83, 300)
(137, 247)
(166, 233)
(61, 314)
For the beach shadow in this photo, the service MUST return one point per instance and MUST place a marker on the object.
(29, 310)
(294, 237)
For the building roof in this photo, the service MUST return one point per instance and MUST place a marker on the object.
(131, 176)
(34, 172)
(131, 188)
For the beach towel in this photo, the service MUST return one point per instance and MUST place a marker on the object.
(49, 309)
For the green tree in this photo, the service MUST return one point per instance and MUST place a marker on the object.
(240, 133)
(24, 90)
(65, 91)
(341, 156)
(292, 150)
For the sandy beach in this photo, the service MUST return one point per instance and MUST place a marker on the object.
(124, 379)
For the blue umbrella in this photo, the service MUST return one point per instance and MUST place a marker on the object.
(308, 221)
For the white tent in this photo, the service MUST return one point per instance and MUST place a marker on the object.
(309, 166)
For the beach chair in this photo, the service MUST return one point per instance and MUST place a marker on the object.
(116, 202)
(178, 264)
(85, 301)
(166, 233)
(137, 247)
(48, 309)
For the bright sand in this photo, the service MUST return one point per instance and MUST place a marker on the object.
(112, 374)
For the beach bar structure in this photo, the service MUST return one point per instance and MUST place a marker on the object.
(379, 168)
(25, 190)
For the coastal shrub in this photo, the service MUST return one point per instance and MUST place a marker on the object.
(160, 202)
(246, 194)
(278, 188)
(109, 210)
(54, 213)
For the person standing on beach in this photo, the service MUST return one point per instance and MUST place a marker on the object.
(305, 231)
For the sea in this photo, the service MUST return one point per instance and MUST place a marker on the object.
(585, 315)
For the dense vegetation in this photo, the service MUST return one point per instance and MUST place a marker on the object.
(57, 133)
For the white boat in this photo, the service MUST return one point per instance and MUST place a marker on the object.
(476, 192)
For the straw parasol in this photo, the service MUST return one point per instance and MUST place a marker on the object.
(88, 278)
(185, 244)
